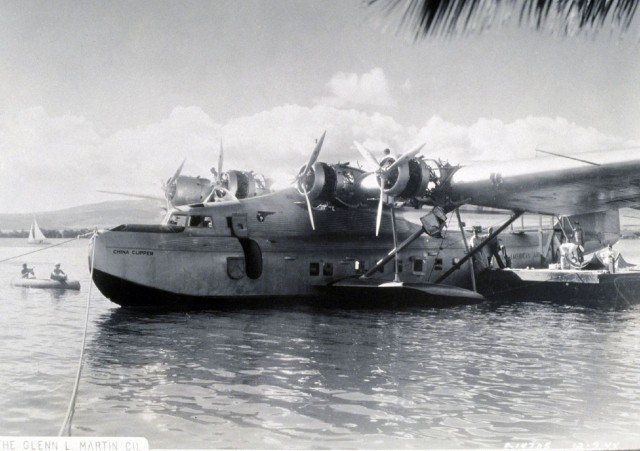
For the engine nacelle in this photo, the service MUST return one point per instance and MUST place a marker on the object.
(408, 180)
(239, 183)
(188, 190)
(244, 184)
(334, 183)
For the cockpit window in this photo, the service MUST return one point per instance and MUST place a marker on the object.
(179, 220)
(201, 221)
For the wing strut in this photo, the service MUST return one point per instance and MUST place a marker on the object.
(478, 248)
(466, 246)
(396, 263)
(567, 157)
(432, 224)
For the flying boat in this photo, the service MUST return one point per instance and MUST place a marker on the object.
(333, 236)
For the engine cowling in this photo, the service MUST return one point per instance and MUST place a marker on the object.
(333, 183)
(243, 184)
(408, 180)
(239, 184)
(188, 190)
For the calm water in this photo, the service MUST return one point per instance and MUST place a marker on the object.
(479, 376)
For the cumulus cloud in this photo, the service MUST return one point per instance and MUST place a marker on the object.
(492, 139)
(51, 162)
(349, 89)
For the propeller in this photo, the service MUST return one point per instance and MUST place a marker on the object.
(177, 174)
(383, 181)
(383, 173)
(300, 180)
(167, 187)
(220, 160)
(367, 155)
(216, 183)
(222, 194)
(405, 157)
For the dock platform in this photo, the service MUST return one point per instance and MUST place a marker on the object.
(597, 288)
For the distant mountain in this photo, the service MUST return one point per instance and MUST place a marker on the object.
(102, 215)
(116, 212)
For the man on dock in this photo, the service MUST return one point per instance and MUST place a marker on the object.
(494, 250)
(578, 238)
(479, 258)
(610, 258)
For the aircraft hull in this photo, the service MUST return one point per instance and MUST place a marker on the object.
(134, 295)
(177, 270)
(189, 269)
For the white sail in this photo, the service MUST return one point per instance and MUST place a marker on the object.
(35, 234)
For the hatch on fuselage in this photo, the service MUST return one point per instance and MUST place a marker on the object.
(232, 225)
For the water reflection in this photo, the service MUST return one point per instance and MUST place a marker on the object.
(465, 377)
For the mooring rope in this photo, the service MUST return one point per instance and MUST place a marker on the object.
(66, 426)
(47, 247)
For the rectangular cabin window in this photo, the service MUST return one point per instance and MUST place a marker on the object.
(314, 269)
(359, 266)
(179, 220)
(438, 264)
(327, 269)
(418, 266)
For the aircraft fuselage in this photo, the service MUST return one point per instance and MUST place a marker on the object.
(263, 248)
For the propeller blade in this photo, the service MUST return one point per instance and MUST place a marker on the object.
(220, 194)
(367, 154)
(220, 159)
(177, 174)
(405, 157)
(306, 196)
(314, 156)
(380, 203)
(210, 195)
(227, 195)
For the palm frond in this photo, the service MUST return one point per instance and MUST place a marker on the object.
(448, 18)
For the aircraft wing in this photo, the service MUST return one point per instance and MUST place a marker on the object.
(586, 183)
(138, 196)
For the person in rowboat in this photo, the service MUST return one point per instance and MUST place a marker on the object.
(58, 274)
(27, 273)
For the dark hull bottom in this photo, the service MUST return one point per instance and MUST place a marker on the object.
(129, 294)
(612, 290)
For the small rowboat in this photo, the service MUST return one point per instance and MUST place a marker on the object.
(46, 283)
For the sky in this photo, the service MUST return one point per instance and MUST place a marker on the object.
(114, 95)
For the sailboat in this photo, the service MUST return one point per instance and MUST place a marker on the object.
(35, 234)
